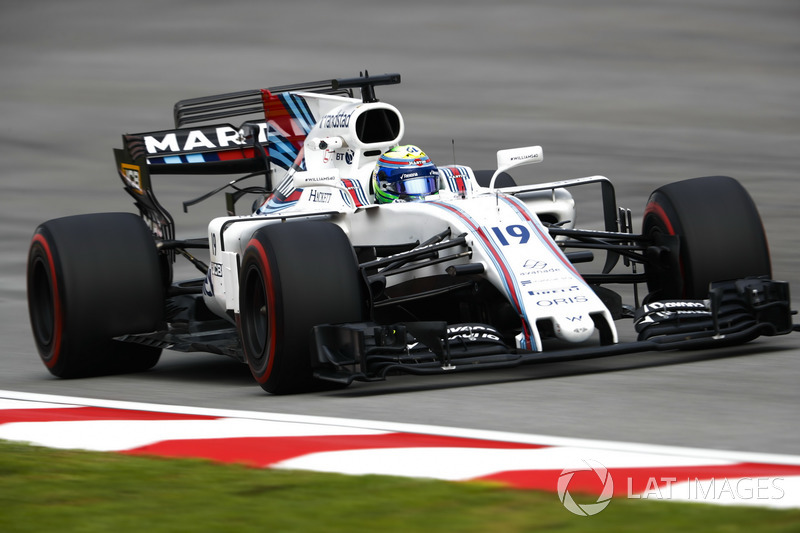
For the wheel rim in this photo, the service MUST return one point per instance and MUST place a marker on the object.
(255, 319)
(42, 304)
(663, 282)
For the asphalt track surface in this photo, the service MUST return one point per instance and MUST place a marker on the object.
(642, 92)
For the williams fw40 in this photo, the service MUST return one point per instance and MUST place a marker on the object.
(325, 280)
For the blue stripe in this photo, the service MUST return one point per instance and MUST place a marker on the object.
(355, 185)
(363, 195)
(282, 152)
(302, 115)
(281, 160)
(490, 246)
(347, 199)
(541, 233)
(306, 112)
(284, 146)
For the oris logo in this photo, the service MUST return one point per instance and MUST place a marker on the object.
(561, 301)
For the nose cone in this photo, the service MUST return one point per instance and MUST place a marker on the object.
(577, 328)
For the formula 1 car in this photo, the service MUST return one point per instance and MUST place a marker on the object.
(319, 283)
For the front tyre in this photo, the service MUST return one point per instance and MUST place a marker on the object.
(294, 276)
(712, 231)
(91, 278)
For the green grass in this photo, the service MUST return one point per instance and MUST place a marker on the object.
(43, 490)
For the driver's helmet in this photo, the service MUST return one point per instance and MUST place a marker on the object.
(405, 174)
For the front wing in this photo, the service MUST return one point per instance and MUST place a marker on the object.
(735, 313)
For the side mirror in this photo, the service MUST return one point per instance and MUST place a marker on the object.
(515, 157)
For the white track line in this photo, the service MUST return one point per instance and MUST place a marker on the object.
(776, 487)
(371, 425)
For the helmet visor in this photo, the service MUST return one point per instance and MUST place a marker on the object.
(417, 186)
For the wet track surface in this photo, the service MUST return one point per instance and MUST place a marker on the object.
(643, 93)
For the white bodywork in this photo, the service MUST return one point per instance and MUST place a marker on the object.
(501, 226)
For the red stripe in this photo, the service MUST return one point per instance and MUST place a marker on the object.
(58, 316)
(80, 414)
(239, 153)
(638, 480)
(294, 196)
(281, 120)
(351, 190)
(265, 451)
(655, 209)
(500, 261)
(270, 296)
(545, 238)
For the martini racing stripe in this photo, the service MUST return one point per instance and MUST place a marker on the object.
(509, 282)
(281, 152)
(289, 119)
(457, 178)
(286, 186)
(355, 193)
(206, 157)
(299, 110)
(537, 228)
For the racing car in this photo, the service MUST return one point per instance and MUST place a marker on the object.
(360, 259)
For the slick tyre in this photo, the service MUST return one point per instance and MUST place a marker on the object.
(719, 237)
(91, 278)
(294, 276)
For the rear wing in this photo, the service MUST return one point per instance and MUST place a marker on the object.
(222, 106)
(269, 140)
(205, 142)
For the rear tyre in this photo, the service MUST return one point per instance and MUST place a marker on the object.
(294, 276)
(91, 278)
(719, 237)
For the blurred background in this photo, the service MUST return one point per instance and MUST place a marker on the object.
(643, 92)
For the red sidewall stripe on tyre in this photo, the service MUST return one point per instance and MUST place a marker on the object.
(658, 211)
(58, 319)
(269, 289)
